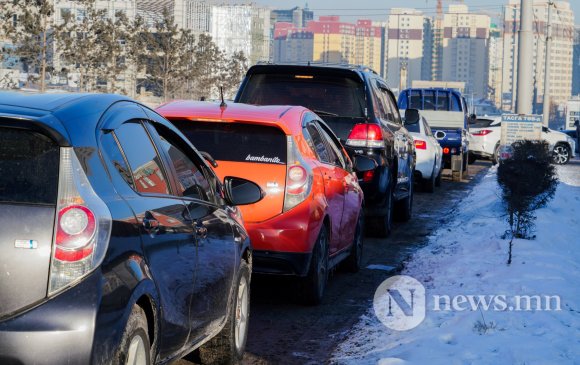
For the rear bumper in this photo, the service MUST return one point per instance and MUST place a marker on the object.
(58, 331)
(281, 263)
(294, 231)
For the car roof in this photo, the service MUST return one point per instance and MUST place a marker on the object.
(315, 65)
(286, 117)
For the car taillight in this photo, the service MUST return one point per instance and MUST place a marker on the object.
(298, 178)
(482, 132)
(365, 135)
(82, 226)
(446, 150)
(422, 145)
(75, 229)
(368, 176)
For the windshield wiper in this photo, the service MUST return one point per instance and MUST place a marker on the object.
(322, 112)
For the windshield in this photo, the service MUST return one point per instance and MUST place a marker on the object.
(331, 95)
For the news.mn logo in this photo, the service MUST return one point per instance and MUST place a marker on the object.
(400, 303)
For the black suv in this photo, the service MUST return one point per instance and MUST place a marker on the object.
(118, 243)
(362, 111)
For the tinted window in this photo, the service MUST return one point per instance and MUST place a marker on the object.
(429, 100)
(333, 151)
(319, 145)
(143, 159)
(28, 167)
(191, 182)
(236, 141)
(442, 100)
(413, 127)
(393, 106)
(336, 94)
(111, 147)
(416, 100)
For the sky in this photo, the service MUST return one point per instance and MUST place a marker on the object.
(379, 10)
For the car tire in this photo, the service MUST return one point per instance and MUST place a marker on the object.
(381, 226)
(464, 160)
(314, 283)
(438, 178)
(228, 346)
(428, 185)
(135, 348)
(472, 158)
(404, 207)
(495, 157)
(353, 262)
(561, 154)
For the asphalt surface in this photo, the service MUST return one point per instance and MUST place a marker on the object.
(283, 331)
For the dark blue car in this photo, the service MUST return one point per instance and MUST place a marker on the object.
(118, 243)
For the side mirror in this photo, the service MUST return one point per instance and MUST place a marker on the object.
(364, 163)
(473, 117)
(241, 191)
(412, 116)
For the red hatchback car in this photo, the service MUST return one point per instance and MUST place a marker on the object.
(310, 218)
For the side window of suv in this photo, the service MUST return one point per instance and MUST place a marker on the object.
(145, 164)
(393, 104)
(380, 104)
(191, 182)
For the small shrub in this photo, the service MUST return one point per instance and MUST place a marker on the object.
(528, 181)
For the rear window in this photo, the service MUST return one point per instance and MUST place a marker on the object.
(334, 94)
(28, 167)
(236, 141)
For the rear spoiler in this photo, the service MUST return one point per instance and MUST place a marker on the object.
(51, 129)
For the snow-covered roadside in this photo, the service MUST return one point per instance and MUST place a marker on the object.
(468, 257)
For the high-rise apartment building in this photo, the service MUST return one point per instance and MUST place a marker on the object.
(560, 64)
(297, 16)
(465, 49)
(495, 63)
(576, 63)
(405, 47)
(328, 40)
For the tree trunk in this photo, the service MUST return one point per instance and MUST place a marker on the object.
(43, 56)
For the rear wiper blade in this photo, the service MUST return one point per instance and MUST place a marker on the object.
(322, 112)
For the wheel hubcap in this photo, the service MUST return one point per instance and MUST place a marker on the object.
(136, 354)
(241, 314)
(560, 155)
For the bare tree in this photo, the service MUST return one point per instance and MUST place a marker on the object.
(113, 50)
(236, 68)
(28, 24)
(209, 67)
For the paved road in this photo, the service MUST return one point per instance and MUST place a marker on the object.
(282, 331)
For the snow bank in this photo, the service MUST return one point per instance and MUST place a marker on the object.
(468, 257)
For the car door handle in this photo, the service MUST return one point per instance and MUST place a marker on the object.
(151, 225)
(200, 231)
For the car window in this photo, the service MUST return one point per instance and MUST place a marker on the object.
(429, 100)
(319, 146)
(191, 181)
(415, 128)
(393, 104)
(111, 148)
(143, 160)
(336, 157)
(29, 167)
(442, 100)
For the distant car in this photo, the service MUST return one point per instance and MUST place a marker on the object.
(119, 244)
(311, 217)
(485, 142)
(574, 136)
(429, 155)
(362, 111)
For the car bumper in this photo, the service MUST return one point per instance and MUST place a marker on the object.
(58, 331)
(283, 244)
(425, 164)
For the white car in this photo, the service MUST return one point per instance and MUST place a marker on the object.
(429, 155)
(486, 134)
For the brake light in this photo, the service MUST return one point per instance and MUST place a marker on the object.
(365, 135)
(368, 176)
(419, 144)
(298, 178)
(446, 150)
(76, 227)
(82, 226)
(483, 132)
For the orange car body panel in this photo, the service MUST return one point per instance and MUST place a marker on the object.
(334, 190)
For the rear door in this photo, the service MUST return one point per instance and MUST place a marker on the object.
(169, 243)
(255, 152)
(344, 173)
(29, 164)
(334, 188)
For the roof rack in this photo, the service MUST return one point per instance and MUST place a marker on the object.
(320, 64)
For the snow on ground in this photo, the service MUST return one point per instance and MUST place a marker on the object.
(468, 257)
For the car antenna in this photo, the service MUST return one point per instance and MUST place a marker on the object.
(223, 103)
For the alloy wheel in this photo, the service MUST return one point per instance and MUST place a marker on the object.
(561, 155)
(242, 305)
